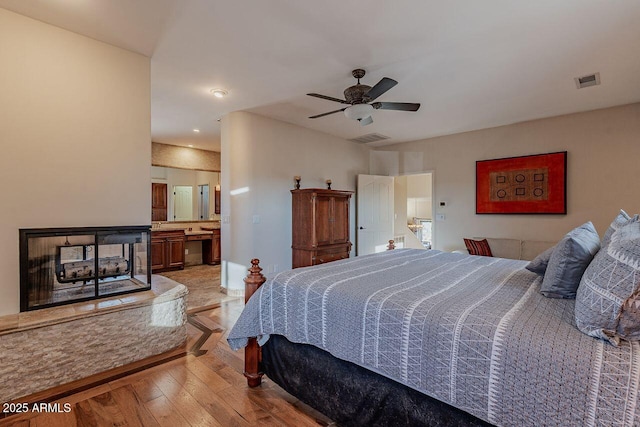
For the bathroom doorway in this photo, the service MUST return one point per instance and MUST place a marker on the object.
(413, 203)
(182, 203)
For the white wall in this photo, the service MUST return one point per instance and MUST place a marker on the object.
(75, 131)
(602, 176)
(263, 155)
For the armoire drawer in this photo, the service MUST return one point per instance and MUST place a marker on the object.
(328, 256)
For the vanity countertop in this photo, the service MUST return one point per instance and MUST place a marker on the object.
(197, 232)
(190, 227)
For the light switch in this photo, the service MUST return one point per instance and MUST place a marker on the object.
(440, 217)
(256, 219)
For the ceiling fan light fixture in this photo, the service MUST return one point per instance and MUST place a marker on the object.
(358, 111)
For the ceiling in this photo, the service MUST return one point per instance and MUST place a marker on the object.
(471, 64)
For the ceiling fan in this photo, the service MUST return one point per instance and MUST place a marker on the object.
(361, 96)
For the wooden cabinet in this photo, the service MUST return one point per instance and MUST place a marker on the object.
(320, 226)
(158, 254)
(158, 202)
(210, 246)
(215, 247)
(167, 250)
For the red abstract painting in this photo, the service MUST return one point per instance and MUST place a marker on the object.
(522, 185)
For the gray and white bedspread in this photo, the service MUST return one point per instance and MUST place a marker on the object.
(471, 331)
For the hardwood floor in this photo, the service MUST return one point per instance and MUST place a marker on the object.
(204, 388)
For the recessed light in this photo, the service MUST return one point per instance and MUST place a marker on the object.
(190, 145)
(219, 93)
(196, 130)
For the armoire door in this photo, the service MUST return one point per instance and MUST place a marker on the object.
(340, 220)
(323, 219)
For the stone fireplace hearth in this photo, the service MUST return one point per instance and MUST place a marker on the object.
(54, 346)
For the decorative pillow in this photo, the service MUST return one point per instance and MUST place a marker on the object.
(608, 300)
(478, 247)
(539, 263)
(568, 261)
(619, 221)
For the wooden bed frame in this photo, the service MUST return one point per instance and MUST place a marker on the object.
(252, 352)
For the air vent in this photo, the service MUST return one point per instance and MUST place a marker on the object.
(588, 80)
(371, 137)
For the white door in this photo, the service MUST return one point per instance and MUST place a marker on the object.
(374, 213)
(182, 203)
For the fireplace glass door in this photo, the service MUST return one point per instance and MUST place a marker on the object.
(65, 265)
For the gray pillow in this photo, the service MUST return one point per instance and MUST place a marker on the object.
(569, 260)
(619, 221)
(539, 264)
(608, 300)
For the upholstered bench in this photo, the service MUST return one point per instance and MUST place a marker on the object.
(515, 248)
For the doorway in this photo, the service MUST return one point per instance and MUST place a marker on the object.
(399, 208)
(182, 203)
(414, 210)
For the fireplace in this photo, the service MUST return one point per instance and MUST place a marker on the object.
(66, 265)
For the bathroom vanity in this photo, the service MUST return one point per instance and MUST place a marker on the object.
(171, 243)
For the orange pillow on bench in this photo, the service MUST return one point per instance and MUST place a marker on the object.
(478, 247)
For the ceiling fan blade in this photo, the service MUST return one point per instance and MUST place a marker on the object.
(399, 106)
(326, 114)
(381, 87)
(317, 95)
(366, 121)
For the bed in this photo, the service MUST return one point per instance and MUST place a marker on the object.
(456, 339)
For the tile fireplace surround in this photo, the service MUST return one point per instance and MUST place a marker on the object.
(46, 348)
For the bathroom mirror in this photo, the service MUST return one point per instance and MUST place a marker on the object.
(186, 194)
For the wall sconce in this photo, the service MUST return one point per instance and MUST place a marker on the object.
(328, 184)
(297, 180)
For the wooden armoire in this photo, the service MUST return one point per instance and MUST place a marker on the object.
(320, 226)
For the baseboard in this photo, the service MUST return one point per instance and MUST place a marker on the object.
(234, 292)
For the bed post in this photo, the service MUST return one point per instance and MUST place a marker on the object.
(391, 246)
(252, 353)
